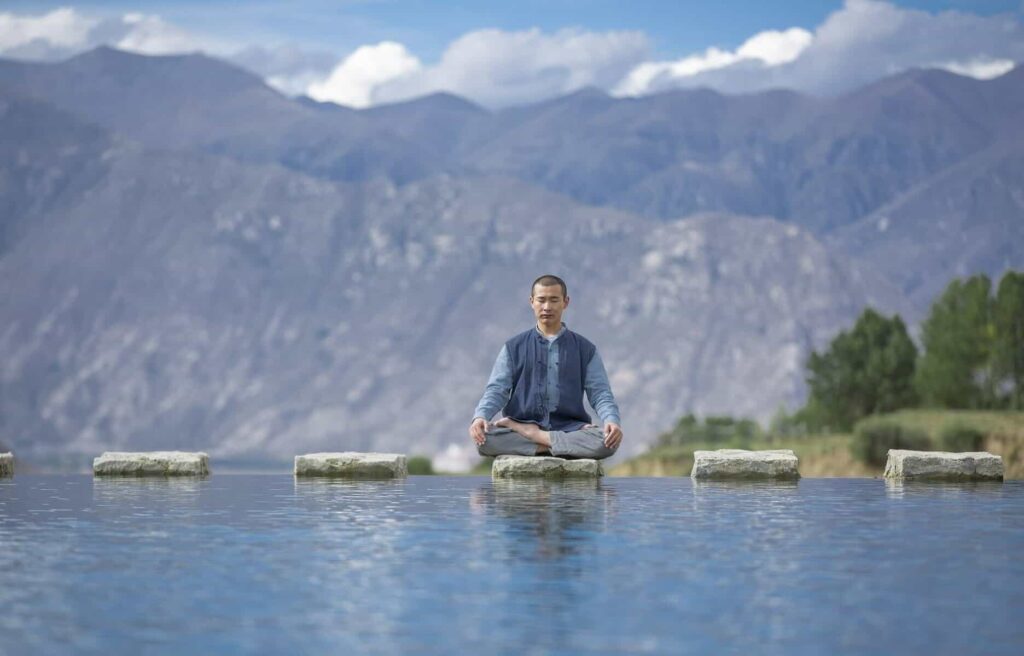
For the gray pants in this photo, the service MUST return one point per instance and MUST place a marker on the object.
(587, 442)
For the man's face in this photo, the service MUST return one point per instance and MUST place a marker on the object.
(548, 304)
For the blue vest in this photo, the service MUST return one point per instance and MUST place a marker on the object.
(528, 356)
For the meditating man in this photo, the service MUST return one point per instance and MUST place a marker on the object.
(538, 382)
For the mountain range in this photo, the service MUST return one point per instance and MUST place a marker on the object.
(192, 260)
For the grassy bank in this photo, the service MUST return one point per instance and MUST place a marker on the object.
(830, 456)
(1003, 431)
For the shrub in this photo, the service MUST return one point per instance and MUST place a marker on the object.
(723, 429)
(873, 439)
(959, 437)
(420, 465)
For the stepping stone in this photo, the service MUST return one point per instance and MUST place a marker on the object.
(6, 464)
(151, 463)
(943, 466)
(743, 465)
(352, 464)
(545, 467)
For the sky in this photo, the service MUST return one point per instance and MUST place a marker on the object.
(367, 52)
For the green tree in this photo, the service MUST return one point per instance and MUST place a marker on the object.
(1008, 349)
(420, 465)
(783, 424)
(873, 438)
(721, 429)
(865, 371)
(955, 370)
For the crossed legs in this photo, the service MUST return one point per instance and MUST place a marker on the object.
(509, 437)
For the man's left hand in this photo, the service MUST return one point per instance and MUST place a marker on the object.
(612, 435)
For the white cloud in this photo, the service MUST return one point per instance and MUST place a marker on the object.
(152, 35)
(62, 33)
(288, 68)
(773, 47)
(856, 44)
(770, 48)
(497, 68)
(64, 28)
(859, 43)
(492, 67)
(354, 81)
(983, 69)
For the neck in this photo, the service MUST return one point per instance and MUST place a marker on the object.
(549, 329)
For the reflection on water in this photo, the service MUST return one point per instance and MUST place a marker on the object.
(897, 489)
(272, 564)
(148, 490)
(556, 517)
(356, 499)
(127, 501)
(744, 487)
(333, 489)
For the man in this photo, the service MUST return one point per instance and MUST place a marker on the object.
(538, 381)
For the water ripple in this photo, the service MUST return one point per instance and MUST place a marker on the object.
(263, 563)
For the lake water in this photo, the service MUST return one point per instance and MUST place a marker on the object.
(267, 564)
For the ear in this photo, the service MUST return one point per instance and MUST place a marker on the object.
(566, 301)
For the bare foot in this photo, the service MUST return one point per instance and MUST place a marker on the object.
(532, 432)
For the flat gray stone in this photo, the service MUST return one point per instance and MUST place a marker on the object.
(741, 465)
(545, 467)
(6, 464)
(352, 464)
(943, 466)
(151, 463)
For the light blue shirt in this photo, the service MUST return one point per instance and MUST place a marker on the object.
(595, 383)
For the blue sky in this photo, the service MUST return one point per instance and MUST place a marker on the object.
(676, 27)
(366, 52)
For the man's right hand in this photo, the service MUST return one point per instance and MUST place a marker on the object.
(477, 430)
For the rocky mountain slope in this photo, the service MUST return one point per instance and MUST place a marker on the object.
(194, 261)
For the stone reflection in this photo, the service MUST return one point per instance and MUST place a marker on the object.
(366, 494)
(117, 489)
(326, 485)
(899, 489)
(756, 487)
(355, 500)
(557, 518)
(712, 493)
(127, 499)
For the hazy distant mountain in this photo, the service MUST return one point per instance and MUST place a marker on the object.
(195, 261)
(185, 102)
(190, 301)
(820, 163)
(967, 219)
(172, 101)
(49, 158)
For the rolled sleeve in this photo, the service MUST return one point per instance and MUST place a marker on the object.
(599, 391)
(498, 389)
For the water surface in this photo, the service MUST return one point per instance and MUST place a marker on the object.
(267, 564)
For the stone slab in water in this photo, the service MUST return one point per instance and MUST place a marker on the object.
(352, 464)
(740, 464)
(545, 467)
(6, 464)
(151, 463)
(943, 466)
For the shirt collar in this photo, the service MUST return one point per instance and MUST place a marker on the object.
(560, 332)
